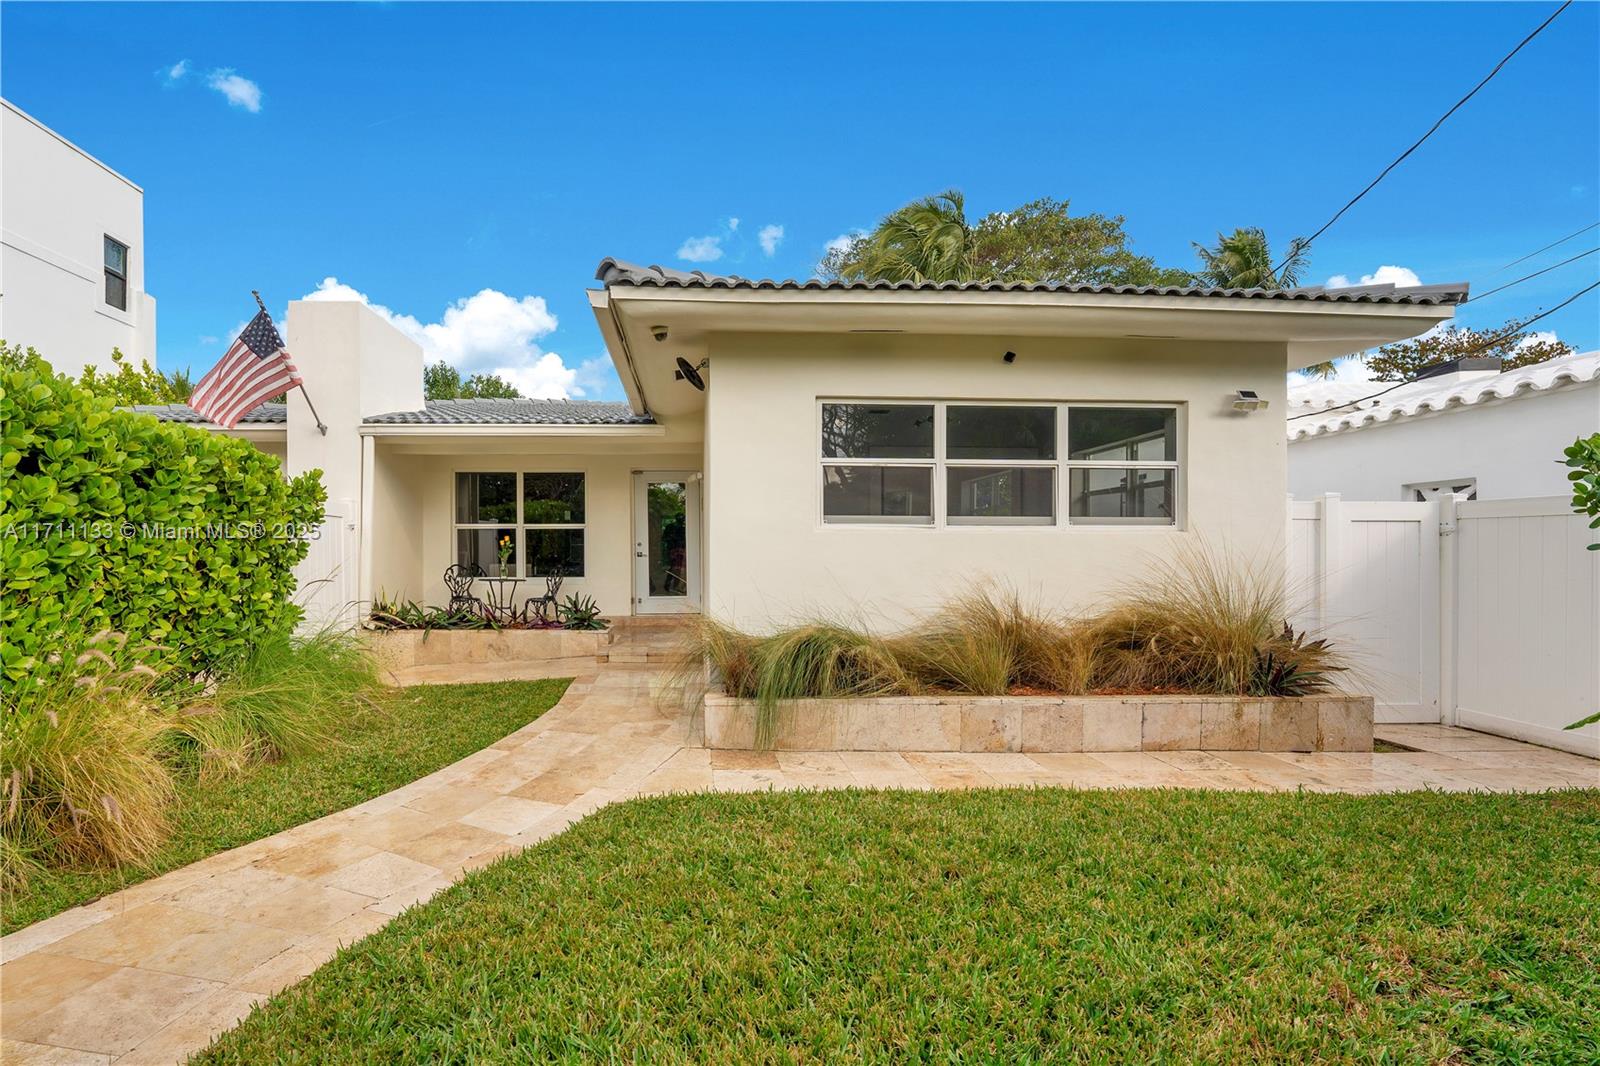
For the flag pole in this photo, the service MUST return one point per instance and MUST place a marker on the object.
(321, 428)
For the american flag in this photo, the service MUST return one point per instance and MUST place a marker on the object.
(255, 368)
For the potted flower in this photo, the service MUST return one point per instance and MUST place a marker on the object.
(505, 556)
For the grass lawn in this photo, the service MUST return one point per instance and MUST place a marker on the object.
(412, 733)
(1017, 925)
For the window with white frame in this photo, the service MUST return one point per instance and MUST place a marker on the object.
(996, 464)
(535, 519)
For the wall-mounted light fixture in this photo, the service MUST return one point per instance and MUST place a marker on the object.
(1248, 400)
(690, 372)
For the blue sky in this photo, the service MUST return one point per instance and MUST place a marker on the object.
(422, 154)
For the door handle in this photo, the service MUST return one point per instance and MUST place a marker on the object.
(638, 555)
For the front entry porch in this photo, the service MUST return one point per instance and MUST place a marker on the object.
(614, 511)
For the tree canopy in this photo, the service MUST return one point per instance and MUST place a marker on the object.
(441, 381)
(1041, 241)
(1402, 361)
(1243, 260)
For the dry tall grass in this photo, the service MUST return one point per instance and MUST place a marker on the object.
(88, 766)
(1201, 624)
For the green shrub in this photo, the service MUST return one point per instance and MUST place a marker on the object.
(183, 540)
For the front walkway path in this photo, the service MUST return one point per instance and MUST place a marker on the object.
(152, 973)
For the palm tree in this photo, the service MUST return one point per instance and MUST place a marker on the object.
(1243, 260)
(926, 240)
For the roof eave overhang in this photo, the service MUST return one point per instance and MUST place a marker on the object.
(617, 347)
(502, 429)
(1312, 330)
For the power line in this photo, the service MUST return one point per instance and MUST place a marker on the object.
(1549, 246)
(1510, 332)
(1535, 274)
(1299, 245)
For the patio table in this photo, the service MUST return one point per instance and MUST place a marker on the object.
(500, 596)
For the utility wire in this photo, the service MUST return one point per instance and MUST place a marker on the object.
(1510, 332)
(1299, 245)
(1535, 274)
(1549, 246)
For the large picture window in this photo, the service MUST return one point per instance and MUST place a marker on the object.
(538, 516)
(999, 464)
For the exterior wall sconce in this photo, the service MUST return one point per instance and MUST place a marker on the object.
(1247, 400)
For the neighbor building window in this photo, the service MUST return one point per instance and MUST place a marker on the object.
(538, 516)
(998, 464)
(116, 274)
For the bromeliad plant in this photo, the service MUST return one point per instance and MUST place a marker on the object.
(579, 612)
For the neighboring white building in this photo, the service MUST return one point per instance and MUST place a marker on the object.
(1472, 429)
(71, 250)
(795, 448)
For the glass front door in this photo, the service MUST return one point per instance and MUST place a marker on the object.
(666, 549)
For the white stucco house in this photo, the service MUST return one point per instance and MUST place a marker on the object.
(862, 447)
(71, 251)
(1466, 427)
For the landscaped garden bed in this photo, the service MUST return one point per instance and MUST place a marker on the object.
(397, 649)
(1007, 926)
(1197, 657)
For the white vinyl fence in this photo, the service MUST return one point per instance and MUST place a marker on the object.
(327, 575)
(1483, 614)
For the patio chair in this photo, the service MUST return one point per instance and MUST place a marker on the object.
(458, 579)
(540, 606)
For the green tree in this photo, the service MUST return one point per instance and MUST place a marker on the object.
(1243, 260)
(441, 381)
(1041, 241)
(125, 386)
(1583, 456)
(1402, 361)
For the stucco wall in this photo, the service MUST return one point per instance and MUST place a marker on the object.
(1512, 448)
(771, 558)
(425, 484)
(58, 204)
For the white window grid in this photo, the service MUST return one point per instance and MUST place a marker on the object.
(1061, 468)
(520, 568)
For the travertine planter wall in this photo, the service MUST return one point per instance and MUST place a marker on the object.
(1029, 723)
(397, 649)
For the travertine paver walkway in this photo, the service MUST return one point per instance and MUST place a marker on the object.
(152, 973)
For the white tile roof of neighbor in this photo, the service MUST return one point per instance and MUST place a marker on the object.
(1427, 395)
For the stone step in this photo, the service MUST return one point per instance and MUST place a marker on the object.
(635, 654)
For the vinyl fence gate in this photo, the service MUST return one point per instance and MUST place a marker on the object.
(1481, 613)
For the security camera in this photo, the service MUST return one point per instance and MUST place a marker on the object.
(658, 332)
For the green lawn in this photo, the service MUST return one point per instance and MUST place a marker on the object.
(982, 926)
(412, 733)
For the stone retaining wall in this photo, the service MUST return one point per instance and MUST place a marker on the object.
(1030, 723)
(397, 649)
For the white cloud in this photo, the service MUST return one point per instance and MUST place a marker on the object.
(733, 224)
(488, 332)
(240, 91)
(770, 236)
(1384, 275)
(176, 73)
(843, 241)
(701, 249)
